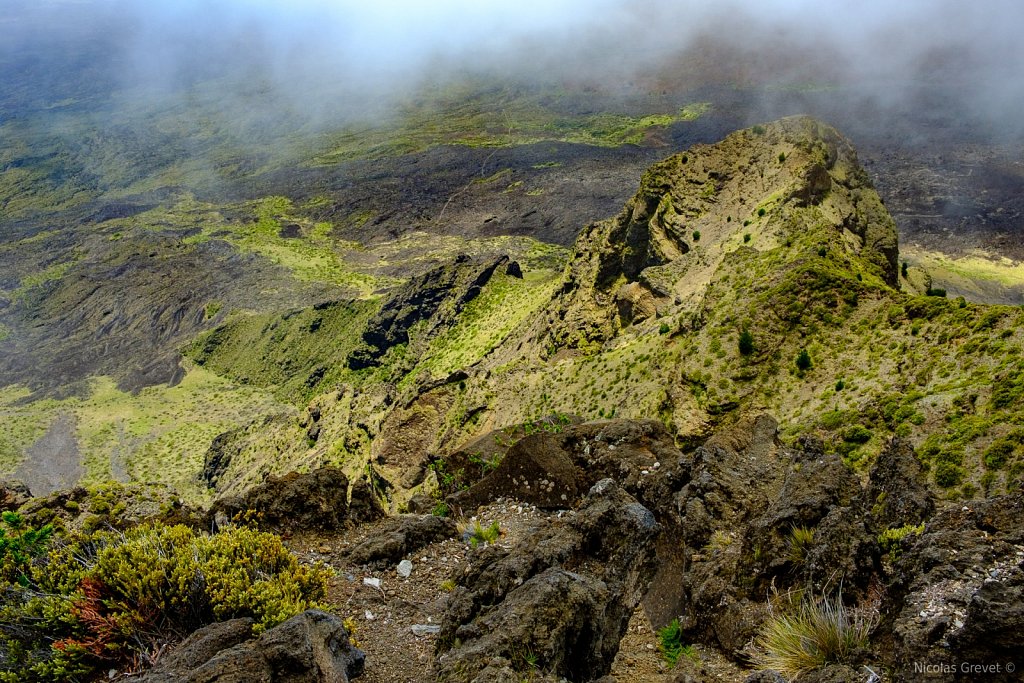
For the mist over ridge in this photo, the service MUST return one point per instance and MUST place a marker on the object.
(332, 62)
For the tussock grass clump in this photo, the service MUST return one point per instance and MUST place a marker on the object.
(800, 540)
(477, 534)
(809, 633)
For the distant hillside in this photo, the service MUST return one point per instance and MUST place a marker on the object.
(757, 274)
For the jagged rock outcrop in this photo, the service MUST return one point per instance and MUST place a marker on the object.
(552, 469)
(558, 603)
(318, 500)
(13, 494)
(443, 291)
(756, 515)
(958, 597)
(312, 647)
(795, 180)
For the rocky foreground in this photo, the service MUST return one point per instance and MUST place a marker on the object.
(606, 533)
(492, 473)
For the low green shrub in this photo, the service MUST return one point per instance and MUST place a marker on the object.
(670, 644)
(108, 597)
(19, 546)
(892, 541)
(478, 534)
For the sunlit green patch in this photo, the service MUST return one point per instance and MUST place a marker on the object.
(160, 434)
(487, 320)
(54, 272)
(476, 116)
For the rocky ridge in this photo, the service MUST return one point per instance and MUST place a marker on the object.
(775, 233)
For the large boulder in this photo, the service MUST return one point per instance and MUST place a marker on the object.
(312, 647)
(553, 468)
(318, 500)
(558, 603)
(958, 596)
(13, 494)
(897, 493)
(535, 470)
(400, 536)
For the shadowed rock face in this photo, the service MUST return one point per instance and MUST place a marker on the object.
(421, 299)
(559, 602)
(312, 647)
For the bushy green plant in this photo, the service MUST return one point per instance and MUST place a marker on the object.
(670, 644)
(893, 540)
(20, 544)
(949, 474)
(746, 342)
(478, 534)
(110, 596)
(857, 434)
(803, 361)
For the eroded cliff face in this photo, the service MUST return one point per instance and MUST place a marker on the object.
(794, 182)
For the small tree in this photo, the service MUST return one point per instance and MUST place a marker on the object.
(746, 342)
(803, 361)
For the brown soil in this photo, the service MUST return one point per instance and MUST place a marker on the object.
(384, 617)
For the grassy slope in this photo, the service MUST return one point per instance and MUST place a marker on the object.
(159, 435)
(689, 375)
(882, 362)
(141, 150)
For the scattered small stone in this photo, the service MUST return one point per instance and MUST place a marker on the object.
(369, 615)
(372, 582)
(405, 569)
(324, 549)
(425, 629)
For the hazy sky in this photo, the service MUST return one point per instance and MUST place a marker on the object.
(364, 51)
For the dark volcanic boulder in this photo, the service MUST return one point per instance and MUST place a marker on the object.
(13, 494)
(312, 647)
(553, 468)
(816, 485)
(897, 492)
(318, 500)
(959, 595)
(535, 470)
(557, 603)
(400, 536)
